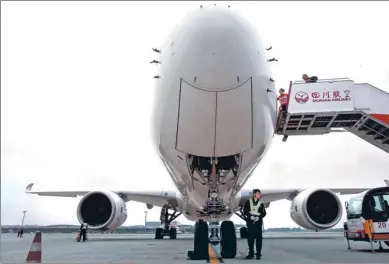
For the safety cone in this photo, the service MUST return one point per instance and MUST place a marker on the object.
(35, 253)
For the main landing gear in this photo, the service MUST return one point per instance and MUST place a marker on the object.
(166, 220)
(201, 240)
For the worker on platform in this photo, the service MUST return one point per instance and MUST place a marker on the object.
(254, 211)
(83, 229)
(308, 79)
(283, 99)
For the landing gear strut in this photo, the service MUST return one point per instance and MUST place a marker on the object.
(214, 238)
(166, 219)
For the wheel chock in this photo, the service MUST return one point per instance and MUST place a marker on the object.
(193, 256)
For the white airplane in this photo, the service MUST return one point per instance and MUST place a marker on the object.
(214, 120)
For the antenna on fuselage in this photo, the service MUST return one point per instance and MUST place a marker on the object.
(387, 182)
(269, 48)
(157, 50)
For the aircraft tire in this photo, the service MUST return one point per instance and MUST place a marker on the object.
(173, 233)
(228, 240)
(200, 251)
(243, 232)
(159, 233)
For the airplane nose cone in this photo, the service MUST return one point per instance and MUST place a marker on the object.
(216, 50)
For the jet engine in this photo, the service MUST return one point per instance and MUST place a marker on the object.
(316, 209)
(102, 210)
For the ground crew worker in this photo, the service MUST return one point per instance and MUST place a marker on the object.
(283, 98)
(254, 210)
(20, 232)
(83, 229)
(308, 79)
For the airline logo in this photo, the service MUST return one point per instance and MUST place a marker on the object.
(301, 97)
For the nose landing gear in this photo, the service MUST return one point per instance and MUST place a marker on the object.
(227, 240)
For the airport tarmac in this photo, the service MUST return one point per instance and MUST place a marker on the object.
(133, 249)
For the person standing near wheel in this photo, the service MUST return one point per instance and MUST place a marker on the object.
(254, 210)
(83, 230)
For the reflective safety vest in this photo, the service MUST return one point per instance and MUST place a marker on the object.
(84, 226)
(254, 208)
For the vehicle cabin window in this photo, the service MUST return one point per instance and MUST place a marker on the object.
(378, 205)
(386, 198)
(355, 206)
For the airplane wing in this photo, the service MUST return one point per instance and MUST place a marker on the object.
(157, 198)
(272, 195)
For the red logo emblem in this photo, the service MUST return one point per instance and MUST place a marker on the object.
(315, 95)
(301, 97)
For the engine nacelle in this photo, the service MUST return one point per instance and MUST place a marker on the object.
(102, 210)
(316, 209)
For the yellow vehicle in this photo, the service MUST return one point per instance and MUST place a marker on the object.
(368, 217)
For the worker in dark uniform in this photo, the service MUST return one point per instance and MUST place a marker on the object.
(254, 210)
(83, 229)
(308, 79)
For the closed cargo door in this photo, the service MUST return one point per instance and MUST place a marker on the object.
(196, 121)
(234, 120)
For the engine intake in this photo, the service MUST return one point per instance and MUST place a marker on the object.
(102, 210)
(316, 209)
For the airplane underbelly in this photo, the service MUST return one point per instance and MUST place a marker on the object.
(215, 123)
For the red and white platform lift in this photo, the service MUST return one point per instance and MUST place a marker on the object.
(333, 105)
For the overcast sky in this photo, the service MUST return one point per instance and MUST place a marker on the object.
(77, 88)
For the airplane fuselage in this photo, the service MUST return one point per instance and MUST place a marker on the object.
(215, 109)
